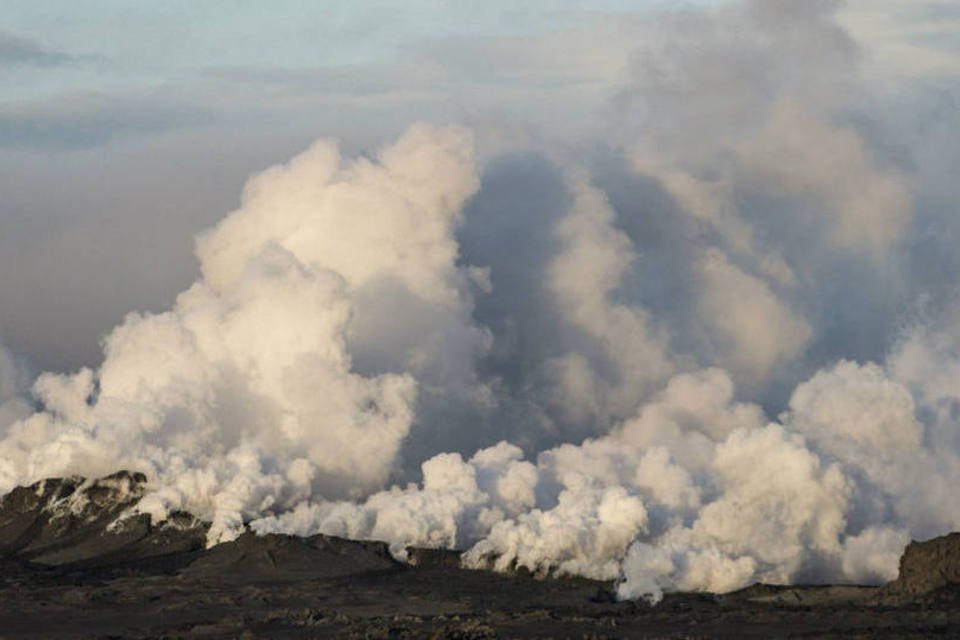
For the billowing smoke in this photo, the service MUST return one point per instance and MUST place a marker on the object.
(718, 348)
(243, 397)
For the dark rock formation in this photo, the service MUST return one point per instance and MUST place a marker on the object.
(71, 521)
(925, 568)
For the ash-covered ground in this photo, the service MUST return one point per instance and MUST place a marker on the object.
(77, 563)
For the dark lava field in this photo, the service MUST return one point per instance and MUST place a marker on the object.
(73, 568)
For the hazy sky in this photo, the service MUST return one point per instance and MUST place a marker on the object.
(126, 127)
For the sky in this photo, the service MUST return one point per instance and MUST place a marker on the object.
(148, 119)
(126, 128)
(651, 292)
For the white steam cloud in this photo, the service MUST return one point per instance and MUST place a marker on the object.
(705, 358)
(242, 397)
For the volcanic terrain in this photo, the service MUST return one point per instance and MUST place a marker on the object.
(77, 562)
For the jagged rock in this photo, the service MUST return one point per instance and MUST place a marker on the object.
(926, 567)
(64, 521)
(54, 513)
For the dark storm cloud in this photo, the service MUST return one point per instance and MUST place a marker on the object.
(88, 120)
(17, 50)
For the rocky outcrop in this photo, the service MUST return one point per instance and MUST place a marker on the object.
(70, 521)
(926, 567)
